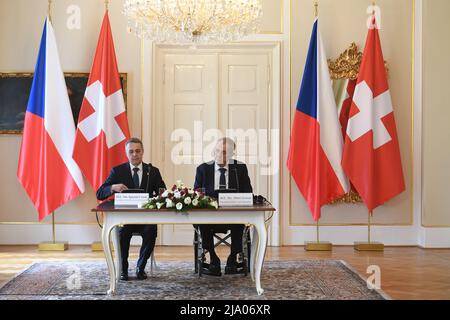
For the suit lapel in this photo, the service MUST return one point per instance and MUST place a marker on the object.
(129, 178)
(210, 178)
(232, 175)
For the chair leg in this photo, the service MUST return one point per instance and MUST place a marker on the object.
(195, 251)
(153, 265)
(199, 253)
(246, 250)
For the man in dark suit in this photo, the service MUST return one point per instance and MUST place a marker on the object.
(134, 175)
(222, 173)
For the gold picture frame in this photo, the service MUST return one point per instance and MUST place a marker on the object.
(15, 89)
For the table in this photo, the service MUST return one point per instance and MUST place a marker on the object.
(114, 217)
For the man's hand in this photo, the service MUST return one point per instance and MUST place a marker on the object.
(118, 188)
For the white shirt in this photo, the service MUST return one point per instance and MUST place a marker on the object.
(139, 172)
(217, 175)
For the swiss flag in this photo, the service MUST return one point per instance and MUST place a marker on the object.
(102, 128)
(371, 157)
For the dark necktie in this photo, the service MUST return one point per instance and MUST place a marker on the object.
(136, 177)
(222, 182)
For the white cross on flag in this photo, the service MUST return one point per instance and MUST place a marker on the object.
(371, 157)
(102, 128)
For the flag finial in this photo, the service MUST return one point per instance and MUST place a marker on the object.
(373, 8)
(316, 9)
(49, 10)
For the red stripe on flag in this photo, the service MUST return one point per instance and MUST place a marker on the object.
(381, 176)
(42, 171)
(309, 165)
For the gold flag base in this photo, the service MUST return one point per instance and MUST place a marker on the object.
(96, 246)
(368, 246)
(318, 246)
(53, 246)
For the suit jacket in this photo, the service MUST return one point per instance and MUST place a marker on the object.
(237, 177)
(122, 174)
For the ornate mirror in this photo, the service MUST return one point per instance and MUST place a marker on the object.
(344, 72)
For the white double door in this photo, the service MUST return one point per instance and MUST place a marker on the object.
(203, 96)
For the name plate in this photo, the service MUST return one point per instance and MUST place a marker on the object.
(130, 199)
(235, 199)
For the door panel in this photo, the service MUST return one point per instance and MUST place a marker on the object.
(211, 91)
(190, 99)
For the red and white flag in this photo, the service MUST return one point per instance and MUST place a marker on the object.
(46, 169)
(315, 151)
(371, 157)
(102, 128)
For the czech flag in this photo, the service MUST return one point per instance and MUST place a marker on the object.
(315, 150)
(46, 168)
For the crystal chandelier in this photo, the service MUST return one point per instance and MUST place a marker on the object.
(193, 21)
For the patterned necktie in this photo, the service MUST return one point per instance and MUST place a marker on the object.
(136, 177)
(222, 182)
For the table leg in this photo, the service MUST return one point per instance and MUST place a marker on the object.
(117, 257)
(253, 252)
(261, 250)
(106, 232)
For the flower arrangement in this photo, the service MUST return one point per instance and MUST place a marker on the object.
(181, 198)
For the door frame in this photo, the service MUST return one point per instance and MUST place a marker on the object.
(152, 68)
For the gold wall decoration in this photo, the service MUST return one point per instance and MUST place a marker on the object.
(347, 65)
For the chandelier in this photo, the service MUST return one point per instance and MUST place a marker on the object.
(193, 21)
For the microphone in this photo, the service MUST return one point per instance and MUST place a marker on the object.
(236, 176)
(148, 177)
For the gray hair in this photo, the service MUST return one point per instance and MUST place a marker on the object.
(227, 140)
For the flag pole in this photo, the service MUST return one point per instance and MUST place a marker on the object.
(318, 245)
(369, 245)
(317, 231)
(106, 5)
(53, 227)
(53, 245)
(49, 10)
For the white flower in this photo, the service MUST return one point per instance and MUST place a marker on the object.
(177, 194)
(187, 201)
(195, 202)
(169, 203)
(179, 183)
(190, 191)
(165, 194)
(215, 204)
(159, 205)
(179, 206)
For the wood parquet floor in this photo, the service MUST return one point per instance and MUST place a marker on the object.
(406, 272)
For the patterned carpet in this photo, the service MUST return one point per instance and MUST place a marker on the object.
(291, 280)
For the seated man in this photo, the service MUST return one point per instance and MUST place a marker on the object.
(134, 175)
(222, 173)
